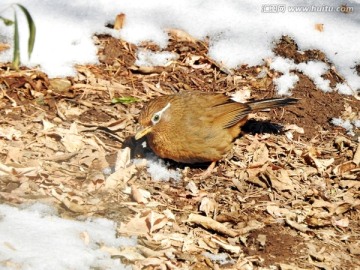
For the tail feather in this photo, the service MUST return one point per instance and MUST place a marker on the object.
(271, 103)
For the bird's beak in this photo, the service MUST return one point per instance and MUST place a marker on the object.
(141, 133)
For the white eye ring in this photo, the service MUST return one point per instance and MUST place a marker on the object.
(157, 116)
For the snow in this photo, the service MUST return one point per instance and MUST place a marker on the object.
(238, 32)
(314, 70)
(35, 237)
(284, 83)
(158, 169)
(343, 88)
(283, 65)
(149, 58)
(346, 124)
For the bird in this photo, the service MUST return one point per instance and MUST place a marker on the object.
(197, 127)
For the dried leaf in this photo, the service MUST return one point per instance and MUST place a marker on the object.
(170, 215)
(261, 239)
(280, 180)
(192, 187)
(130, 253)
(300, 227)
(341, 142)
(295, 128)
(10, 133)
(356, 158)
(85, 237)
(137, 195)
(241, 96)
(321, 164)
(284, 266)
(277, 212)
(231, 248)
(261, 155)
(153, 261)
(209, 223)
(344, 167)
(193, 61)
(136, 226)
(119, 21)
(19, 171)
(47, 125)
(73, 202)
(120, 177)
(123, 158)
(181, 35)
(319, 27)
(124, 100)
(60, 84)
(156, 221)
(208, 206)
(354, 248)
(344, 222)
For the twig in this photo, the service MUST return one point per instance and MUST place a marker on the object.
(209, 223)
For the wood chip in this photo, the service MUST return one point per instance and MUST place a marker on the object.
(209, 223)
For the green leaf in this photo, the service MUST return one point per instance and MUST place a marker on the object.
(32, 29)
(40, 101)
(124, 100)
(7, 22)
(16, 56)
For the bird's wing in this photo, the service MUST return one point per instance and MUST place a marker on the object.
(230, 114)
(224, 111)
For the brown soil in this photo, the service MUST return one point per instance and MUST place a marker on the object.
(315, 108)
(280, 243)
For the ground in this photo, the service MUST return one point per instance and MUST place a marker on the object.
(280, 199)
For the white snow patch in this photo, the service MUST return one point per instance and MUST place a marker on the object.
(285, 82)
(35, 237)
(158, 169)
(149, 58)
(314, 70)
(283, 65)
(343, 88)
(346, 124)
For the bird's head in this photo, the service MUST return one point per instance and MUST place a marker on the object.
(155, 112)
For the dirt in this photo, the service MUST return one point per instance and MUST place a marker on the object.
(281, 244)
(315, 109)
(295, 202)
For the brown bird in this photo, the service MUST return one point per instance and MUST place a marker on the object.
(197, 127)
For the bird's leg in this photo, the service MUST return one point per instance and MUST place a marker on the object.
(206, 173)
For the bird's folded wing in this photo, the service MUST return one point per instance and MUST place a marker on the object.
(229, 114)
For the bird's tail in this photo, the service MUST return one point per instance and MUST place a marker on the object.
(271, 103)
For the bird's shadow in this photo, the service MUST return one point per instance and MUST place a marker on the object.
(253, 126)
(140, 149)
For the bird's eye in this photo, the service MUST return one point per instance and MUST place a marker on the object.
(155, 118)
